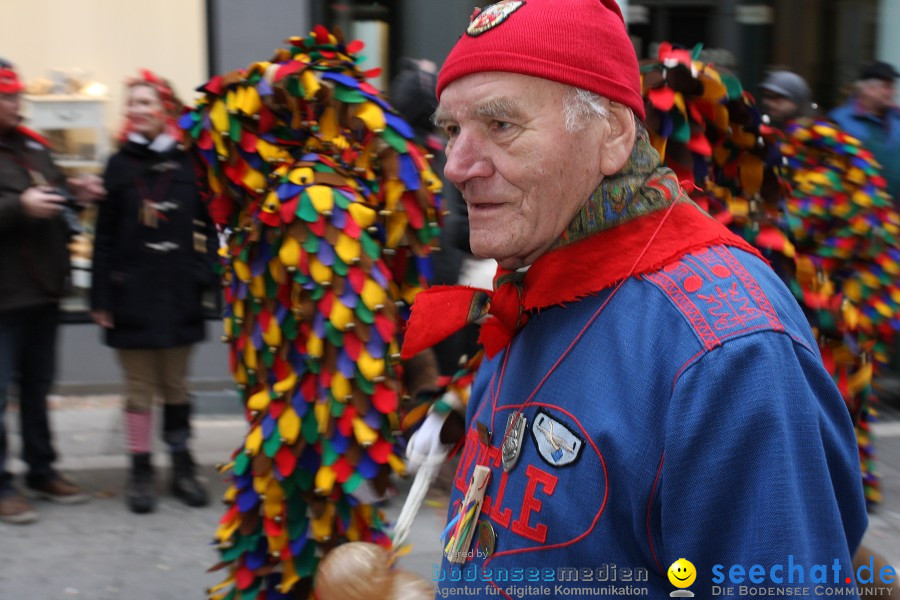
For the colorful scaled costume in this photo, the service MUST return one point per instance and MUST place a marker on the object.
(330, 210)
(652, 391)
(810, 198)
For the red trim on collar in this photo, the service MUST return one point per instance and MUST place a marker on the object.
(565, 275)
(34, 135)
(601, 260)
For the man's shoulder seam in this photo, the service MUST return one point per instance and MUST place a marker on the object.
(696, 358)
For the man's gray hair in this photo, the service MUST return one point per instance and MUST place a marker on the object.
(581, 106)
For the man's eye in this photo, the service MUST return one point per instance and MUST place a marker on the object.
(451, 130)
(501, 125)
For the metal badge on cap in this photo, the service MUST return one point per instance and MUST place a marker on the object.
(492, 16)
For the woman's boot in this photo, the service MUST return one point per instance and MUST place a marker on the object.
(140, 493)
(184, 480)
(176, 433)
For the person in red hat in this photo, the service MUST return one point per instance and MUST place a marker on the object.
(652, 414)
(34, 266)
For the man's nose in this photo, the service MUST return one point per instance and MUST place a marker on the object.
(467, 158)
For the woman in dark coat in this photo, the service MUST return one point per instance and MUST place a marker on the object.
(153, 258)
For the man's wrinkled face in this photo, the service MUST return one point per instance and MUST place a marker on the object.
(10, 106)
(523, 176)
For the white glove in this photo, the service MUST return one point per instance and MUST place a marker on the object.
(425, 447)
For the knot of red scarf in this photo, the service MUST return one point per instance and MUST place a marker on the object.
(441, 311)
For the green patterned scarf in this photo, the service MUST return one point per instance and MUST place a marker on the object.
(641, 187)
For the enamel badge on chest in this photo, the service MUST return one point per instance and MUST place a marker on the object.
(512, 440)
(556, 443)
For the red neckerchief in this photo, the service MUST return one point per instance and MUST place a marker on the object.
(564, 275)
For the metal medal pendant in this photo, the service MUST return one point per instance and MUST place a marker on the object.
(487, 539)
(512, 440)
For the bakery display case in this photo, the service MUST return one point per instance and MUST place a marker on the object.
(73, 124)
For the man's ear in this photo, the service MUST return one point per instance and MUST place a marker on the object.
(619, 140)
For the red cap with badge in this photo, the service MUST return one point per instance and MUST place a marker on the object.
(583, 43)
(9, 81)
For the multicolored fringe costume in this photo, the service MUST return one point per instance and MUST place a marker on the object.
(330, 211)
(811, 198)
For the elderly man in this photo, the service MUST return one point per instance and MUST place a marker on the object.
(33, 274)
(651, 391)
(872, 116)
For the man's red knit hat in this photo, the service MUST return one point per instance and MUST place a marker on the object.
(582, 43)
(9, 81)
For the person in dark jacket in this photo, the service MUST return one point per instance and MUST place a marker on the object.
(34, 271)
(153, 258)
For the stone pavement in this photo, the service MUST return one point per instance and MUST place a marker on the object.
(883, 535)
(101, 551)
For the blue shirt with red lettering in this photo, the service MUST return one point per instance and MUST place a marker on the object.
(691, 417)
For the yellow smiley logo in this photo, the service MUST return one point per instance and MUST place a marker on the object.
(682, 573)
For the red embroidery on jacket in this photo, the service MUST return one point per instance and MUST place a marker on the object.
(751, 284)
(731, 308)
(530, 504)
(707, 336)
(492, 505)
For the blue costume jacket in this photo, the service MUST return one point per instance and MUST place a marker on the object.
(693, 418)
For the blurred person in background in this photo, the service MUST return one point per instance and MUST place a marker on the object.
(153, 259)
(34, 275)
(785, 96)
(871, 115)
